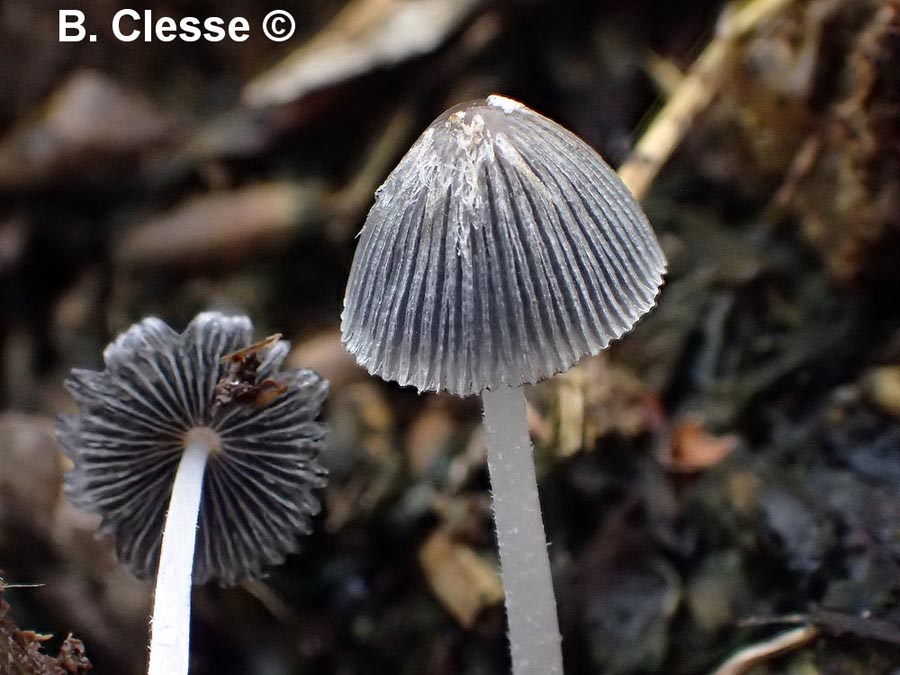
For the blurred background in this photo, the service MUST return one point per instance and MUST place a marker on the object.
(726, 474)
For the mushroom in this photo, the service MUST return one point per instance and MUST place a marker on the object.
(220, 436)
(499, 252)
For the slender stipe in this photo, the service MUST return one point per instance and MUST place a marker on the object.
(527, 582)
(171, 627)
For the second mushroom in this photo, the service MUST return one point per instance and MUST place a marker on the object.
(499, 252)
(201, 457)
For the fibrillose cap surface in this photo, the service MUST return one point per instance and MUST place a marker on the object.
(500, 251)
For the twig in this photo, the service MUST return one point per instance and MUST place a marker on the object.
(744, 659)
(835, 623)
(693, 95)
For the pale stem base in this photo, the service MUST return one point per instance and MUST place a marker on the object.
(171, 623)
(524, 564)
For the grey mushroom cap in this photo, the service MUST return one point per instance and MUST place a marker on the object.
(128, 438)
(500, 251)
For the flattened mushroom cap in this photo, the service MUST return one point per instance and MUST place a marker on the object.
(135, 415)
(500, 251)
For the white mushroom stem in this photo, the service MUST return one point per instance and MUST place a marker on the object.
(171, 623)
(524, 565)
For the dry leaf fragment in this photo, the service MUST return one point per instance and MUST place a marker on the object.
(13, 238)
(429, 437)
(882, 386)
(31, 474)
(324, 353)
(364, 36)
(693, 448)
(596, 398)
(222, 225)
(90, 121)
(464, 582)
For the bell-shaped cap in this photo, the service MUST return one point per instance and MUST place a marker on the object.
(500, 251)
(136, 416)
